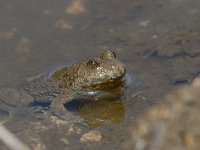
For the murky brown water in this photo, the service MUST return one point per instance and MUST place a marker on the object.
(157, 40)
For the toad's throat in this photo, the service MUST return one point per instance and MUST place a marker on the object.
(107, 85)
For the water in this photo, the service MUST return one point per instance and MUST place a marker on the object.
(157, 40)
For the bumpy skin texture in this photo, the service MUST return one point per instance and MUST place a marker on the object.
(70, 82)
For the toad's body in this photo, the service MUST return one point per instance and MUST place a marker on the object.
(70, 82)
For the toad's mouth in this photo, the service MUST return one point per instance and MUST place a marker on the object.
(110, 84)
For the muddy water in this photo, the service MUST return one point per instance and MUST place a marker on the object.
(157, 40)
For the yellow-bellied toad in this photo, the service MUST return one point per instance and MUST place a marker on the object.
(74, 81)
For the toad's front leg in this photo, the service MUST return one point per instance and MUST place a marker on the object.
(58, 109)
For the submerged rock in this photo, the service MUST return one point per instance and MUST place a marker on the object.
(172, 125)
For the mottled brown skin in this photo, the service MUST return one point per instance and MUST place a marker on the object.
(88, 76)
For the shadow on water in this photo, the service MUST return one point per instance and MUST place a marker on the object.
(3, 114)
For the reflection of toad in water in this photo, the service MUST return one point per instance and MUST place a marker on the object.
(106, 109)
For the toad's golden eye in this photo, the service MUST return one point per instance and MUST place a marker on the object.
(93, 63)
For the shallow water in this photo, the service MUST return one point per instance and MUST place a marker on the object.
(157, 40)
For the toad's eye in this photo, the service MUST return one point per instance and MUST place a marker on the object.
(93, 63)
